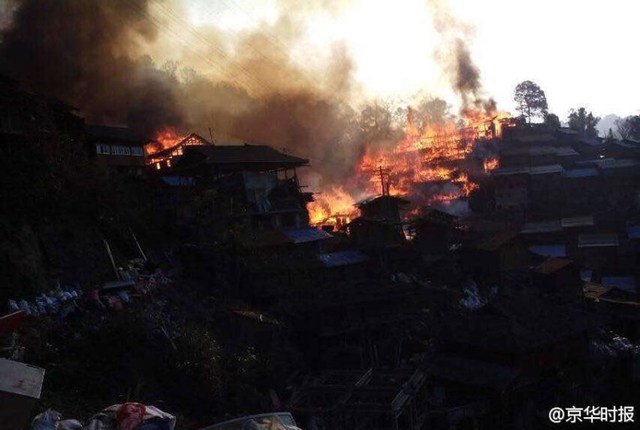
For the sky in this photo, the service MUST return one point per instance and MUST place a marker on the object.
(581, 53)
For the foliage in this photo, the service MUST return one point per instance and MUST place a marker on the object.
(552, 120)
(531, 100)
(629, 127)
(584, 123)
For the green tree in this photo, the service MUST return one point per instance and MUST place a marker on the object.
(531, 100)
(552, 120)
(583, 122)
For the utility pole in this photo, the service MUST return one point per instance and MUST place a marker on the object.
(384, 180)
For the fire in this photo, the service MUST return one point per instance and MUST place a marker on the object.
(164, 139)
(490, 164)
(335, 207)
(427, 165)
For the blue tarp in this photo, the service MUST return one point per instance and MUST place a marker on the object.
(586, 275)
(342, 258)
(633, 231)
(549, 250)
(177, 181)
(309, 234)
(581, 173)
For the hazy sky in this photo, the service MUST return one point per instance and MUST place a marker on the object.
(581, 52)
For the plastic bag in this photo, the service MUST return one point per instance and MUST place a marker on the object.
(47, 420)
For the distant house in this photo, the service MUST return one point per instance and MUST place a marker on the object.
(434, 231)
(119, 148)
(511, 185)
(491, 258)
(379, 224)
(26, 117)
(558, 276)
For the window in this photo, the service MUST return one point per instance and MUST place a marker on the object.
(120, 150)
(136, 151)
(103, 149)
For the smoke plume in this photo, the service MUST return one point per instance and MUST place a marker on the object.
(98, 56)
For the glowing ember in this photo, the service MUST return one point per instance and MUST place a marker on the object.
(490, 164)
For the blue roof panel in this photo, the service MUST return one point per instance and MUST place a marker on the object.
(633, 231)
(342, 258)
(581, 173)
(549, 250)
(309, 234)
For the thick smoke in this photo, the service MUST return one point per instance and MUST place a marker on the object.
(86, 53)
(455, 57)
(97, 55)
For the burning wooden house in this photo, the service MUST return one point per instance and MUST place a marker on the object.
(163, 152)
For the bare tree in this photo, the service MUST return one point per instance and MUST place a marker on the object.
(629, 127)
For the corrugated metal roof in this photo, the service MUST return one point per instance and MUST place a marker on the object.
(545, 170)
(342, 258)
(177, 181)
(549, 250)
(504, 171)
(577, 221)
(626, 283)
(597, 240)
(617, 164)
(633, 231)
(542, 227)
(565, 151)
(581, 173)
(309, 234)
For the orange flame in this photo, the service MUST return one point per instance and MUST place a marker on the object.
(432, 154)
(164, 139)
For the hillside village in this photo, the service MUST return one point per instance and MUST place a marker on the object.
(191, 279)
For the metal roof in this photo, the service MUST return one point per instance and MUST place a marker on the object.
(177, 181)
(547, 169)
(597, 240)
(577, 221)
(581, 173)
(616, 164)
(20, 378)
(564, 151)
(342, 258)
(626, 283)
(503, 171)
(549, 250)
(542, 227)
(304, 235)
(633, 231)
